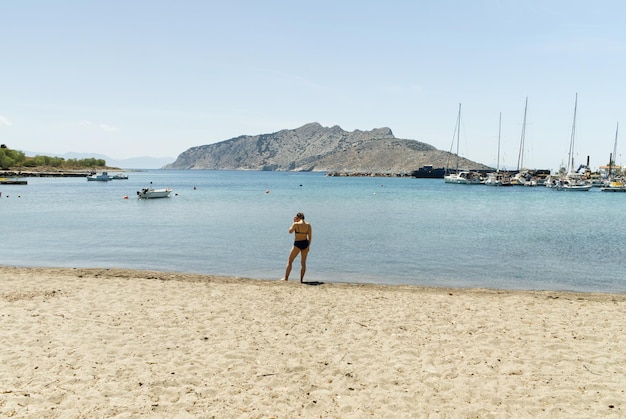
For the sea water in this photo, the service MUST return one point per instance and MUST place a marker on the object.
(365, 229)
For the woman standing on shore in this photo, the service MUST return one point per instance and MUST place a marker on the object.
(301, 245)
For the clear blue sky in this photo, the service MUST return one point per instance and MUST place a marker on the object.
(153, 78)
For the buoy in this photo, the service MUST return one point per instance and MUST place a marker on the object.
(267, 191)
(125, 196)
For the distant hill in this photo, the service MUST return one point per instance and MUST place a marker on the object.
(141, 162)
(313, 147)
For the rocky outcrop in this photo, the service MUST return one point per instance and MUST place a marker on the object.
(313, 147)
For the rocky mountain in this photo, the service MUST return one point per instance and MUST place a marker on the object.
(313, 147)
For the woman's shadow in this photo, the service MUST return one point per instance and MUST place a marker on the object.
(313, 283)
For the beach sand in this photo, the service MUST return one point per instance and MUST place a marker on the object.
(121, 343)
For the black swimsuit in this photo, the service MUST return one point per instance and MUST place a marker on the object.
(301, 244)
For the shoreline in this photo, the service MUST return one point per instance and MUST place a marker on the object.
(105, 342)
(211, 278)
(200, 276)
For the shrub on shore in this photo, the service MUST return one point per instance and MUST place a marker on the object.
(10, 159)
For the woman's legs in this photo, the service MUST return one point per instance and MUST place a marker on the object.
(303, 256)
(292, 255)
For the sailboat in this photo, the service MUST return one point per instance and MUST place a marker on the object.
(524, 176)
(496, 178)
(463, 177)
(614, 184)
(572, 181)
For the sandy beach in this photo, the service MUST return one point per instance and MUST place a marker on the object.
(121, 343)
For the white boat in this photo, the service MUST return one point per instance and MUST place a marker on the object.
(574, 188)
(463, 177)
(150, 193)
(530, 178)
(551, 181)
(520, 178)
(572, 181)
(102, 177)
(498, 179)
(119, 176)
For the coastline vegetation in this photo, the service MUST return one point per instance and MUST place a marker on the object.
(11, 159)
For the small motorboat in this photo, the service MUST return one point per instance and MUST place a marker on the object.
(119, 176)
(150, 193)
(102, 177)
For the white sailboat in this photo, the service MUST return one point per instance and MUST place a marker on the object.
(496, 178)
(523, 177)
(572, 181)
(520, 157)
(614, 184)
(464, 177)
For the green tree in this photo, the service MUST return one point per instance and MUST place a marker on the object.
(12, 158)
(6, 162)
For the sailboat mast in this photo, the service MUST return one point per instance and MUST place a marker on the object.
(615, 144)
(458, 136)
(455, 137)
(613, 155)
(458, 139)
(520, 158)
(570, 163)
(499, 132)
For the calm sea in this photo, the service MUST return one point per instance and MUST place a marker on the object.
(365, 230)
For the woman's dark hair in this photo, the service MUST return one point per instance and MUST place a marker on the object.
(300, 215)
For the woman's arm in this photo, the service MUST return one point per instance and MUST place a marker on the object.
(293, 225)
